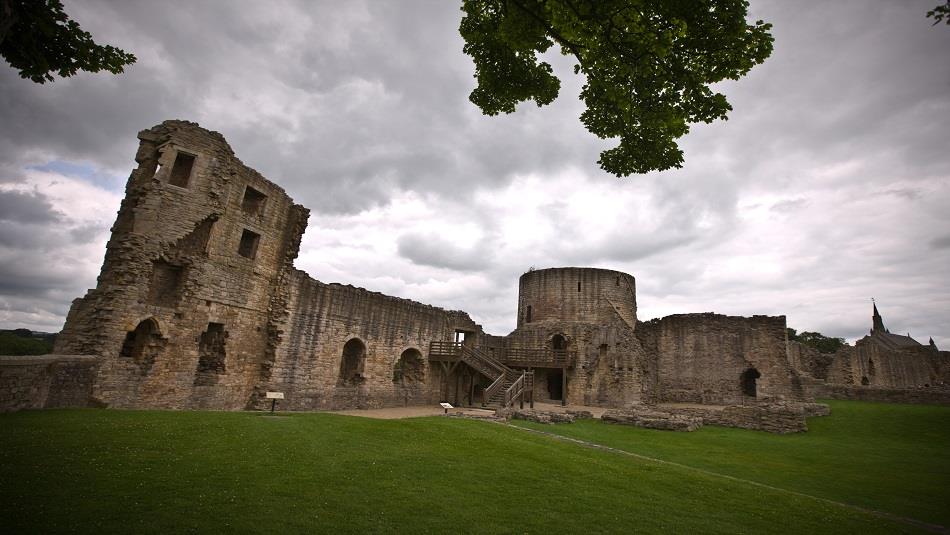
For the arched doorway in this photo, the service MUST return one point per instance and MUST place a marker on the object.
(351, 363)
(558, 342)
(747, 380)
(410, 368)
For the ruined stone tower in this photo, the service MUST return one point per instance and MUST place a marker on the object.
(593, 314)
(183, 312)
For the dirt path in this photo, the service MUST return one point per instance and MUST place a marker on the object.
(392, 413)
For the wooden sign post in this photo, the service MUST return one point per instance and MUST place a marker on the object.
(273, 397)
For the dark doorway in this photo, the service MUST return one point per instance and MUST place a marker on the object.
(748, 381)
(555, 378)
(351, 363)
(558, 342)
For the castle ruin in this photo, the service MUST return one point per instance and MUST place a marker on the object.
(199, 305)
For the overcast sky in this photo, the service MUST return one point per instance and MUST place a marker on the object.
(828, 185)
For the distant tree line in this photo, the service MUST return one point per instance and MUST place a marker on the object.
(25, 342)
(824, 344)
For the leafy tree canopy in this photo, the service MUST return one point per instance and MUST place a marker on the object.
(16, 343)
(648, 65)
(824, 344)
(940, 13)
(39, 39)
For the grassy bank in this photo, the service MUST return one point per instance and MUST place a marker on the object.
(149, 472)
(890, 457)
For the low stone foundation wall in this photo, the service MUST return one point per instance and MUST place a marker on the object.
(788, 417)
(542, 417)
(924, 396)
(777, 418)
(46, 381)
(653, 419)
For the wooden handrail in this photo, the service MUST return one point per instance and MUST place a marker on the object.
(516, 388)
(539, 357)
(492, 388)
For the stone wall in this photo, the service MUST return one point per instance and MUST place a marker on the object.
(773, 418)
(702, 358)
(610, 367)
(392, 334)
(784, 417)
(809, 361)
(871, 364)
(920, 395)
(46, 381)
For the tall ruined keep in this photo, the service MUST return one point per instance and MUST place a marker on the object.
(198, 305)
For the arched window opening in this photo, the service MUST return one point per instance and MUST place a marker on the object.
(748, 381)
(558, 342)
(865, 381)
(143, 344)
(527, 315)
(351, 364)
(871, 370)
(410, 368)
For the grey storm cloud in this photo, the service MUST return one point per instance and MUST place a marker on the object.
(430, 249)
(26, 207)
(827, 186)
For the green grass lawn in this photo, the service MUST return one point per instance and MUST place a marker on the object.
(889, 457)
(169, 472)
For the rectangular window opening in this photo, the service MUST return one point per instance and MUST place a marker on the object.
(181, 170)
(165, 288)
(253, 203)
(248, 246)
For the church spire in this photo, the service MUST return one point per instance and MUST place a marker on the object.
(878, 322)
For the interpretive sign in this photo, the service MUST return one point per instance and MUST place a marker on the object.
(273, 397)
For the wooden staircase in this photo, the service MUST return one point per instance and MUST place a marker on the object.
(507, 385)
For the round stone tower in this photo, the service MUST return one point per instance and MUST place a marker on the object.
(576, 295)
(591, 315)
